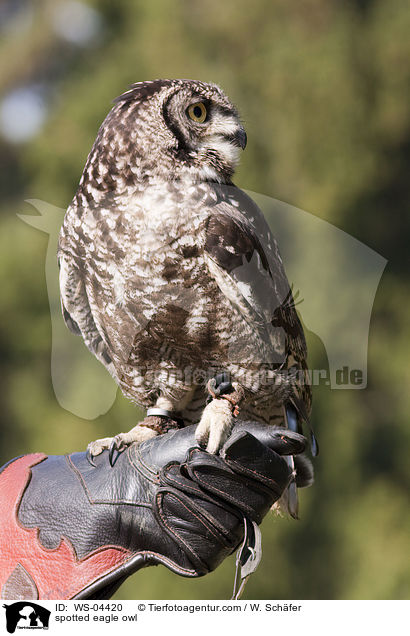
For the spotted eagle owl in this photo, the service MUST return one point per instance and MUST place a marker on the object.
(170, 272)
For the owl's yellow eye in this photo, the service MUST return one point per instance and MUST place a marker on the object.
(197, 112)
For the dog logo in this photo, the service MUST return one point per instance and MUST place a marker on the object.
(26, 615)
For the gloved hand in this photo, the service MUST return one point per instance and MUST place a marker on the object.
(74, 530)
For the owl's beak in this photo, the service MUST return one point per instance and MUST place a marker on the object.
(239, 138)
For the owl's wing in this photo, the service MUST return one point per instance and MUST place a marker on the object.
(244, 259)
(76, 310)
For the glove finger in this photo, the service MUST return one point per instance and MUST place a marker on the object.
(206, 533)
(279, 439)
(266, 475)
(248, 456)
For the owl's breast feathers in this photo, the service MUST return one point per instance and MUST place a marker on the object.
(194, 269)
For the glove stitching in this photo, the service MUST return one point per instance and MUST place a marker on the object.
(200, 519)
(153, 478)
(176, 535)
(205, 495)
(260, 476)
(102, 501)
(133, 455)
(137, 457)
(171, 564)
(225, 496)
(169, 478)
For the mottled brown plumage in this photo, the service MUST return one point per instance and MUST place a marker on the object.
(170, 272)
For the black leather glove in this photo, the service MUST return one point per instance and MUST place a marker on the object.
(71, 529)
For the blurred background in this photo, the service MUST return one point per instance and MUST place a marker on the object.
(323, 88)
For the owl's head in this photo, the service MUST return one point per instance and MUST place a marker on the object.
(169, 129)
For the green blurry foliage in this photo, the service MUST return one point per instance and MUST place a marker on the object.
(323, 88)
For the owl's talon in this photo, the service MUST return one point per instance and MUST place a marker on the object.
(98, 446)
(119, 443)
(114, 446)
(90, 457)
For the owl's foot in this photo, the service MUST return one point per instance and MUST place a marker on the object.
(148, 428)
(218, 417)
(138, 434)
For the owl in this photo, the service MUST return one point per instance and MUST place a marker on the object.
(171, 275)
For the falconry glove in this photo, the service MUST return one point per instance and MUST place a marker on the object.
(73, 529)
